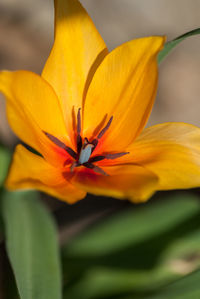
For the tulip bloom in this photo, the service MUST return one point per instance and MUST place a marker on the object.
(86, 114)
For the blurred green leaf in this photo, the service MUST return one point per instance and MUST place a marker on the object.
(135, 252)
(32, 246)
(172, 44)
(132, 226)
(9, 284)
(185, 288)
(5, 157)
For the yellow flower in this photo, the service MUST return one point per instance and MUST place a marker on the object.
(86, 113)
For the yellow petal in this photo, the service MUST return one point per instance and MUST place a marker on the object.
(124, 182)
(172, 152)
(33, 107)
(77, 51)
(124, 86)
(29, 171)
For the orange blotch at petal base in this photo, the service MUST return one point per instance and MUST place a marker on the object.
(85, 149)
(86, 115)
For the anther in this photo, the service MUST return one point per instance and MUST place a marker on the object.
(95, 168)
(60, 144)
(79, 139)
(115, 155)
(103, 131)
(97, 158)
(79, 121)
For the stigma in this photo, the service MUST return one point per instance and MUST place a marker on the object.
(85, 152)
(85, 148)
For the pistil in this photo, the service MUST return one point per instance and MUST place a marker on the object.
(85, 153)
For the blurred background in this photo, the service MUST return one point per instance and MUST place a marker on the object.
(26, 37)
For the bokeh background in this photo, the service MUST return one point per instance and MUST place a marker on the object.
(26, 36)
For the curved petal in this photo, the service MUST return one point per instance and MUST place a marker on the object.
(77, 51)
(29, 171)
(124, 87)
(172, 152)
(124, 182)
(33, 107)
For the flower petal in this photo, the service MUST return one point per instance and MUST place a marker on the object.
(124, 86)
(29, 171)
(172, 152)
(125, 182)
(33, 107)
(77, 51)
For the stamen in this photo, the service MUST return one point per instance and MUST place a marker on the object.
(79, 139)
(95, 168)
(59, 143)
(115, 156)
(99, 170)
(103, 131)
(94, 142)
(96, 159)
(79, 121)
(86, 142)
(79, 143)
(71, 152)
(85, 149)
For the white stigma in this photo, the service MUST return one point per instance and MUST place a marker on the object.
(85, 153)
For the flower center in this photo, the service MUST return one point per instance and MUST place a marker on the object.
(85, 148)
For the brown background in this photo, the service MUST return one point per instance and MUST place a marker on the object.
(26, 34)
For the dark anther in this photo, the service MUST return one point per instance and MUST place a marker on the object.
(115, 156)
(86, 141)
(71, 152)
(79, 139)
(105, 128)
(97, 158)
(97, 169)
(94, 142)
(55, 140)
(107, 156)
(79, 143)
(59, 143)
(79, 121)
(88, 165)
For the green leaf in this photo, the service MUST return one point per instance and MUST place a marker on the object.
(172, 44)
(32, 246)
(120, 230)
(185, 288)
(5, 157)
(136, 251)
